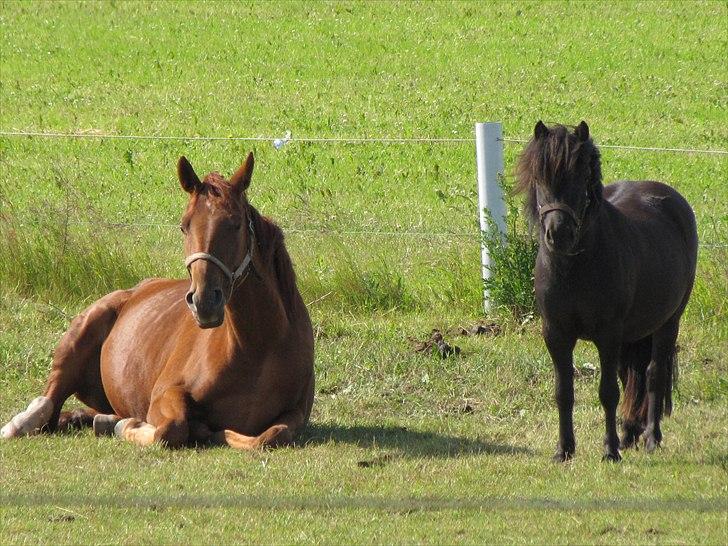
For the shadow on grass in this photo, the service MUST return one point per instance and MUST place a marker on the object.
(409, 442)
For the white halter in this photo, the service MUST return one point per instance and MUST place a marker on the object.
(232, 276)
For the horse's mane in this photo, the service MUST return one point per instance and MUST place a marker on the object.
(270, 240)
(556, 157)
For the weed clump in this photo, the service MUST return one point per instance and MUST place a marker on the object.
(513, 257)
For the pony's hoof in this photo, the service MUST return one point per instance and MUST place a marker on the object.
(28, 422)
(628, 442)
(104, 424)
(562, 456)
(651, 444)
(614, 457)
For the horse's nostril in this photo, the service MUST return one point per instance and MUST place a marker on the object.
(189, 299)
(549, 236)
(217, 296)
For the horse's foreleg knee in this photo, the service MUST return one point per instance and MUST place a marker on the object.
(28, 422)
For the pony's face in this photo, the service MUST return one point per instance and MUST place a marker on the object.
(561, 171)
(217, 239)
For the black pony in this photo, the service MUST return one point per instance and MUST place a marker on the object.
(615, 266)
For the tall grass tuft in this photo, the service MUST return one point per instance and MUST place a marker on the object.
(374, 287)
(49, 257)
(513, 257)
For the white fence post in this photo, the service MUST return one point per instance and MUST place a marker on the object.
(489, 156)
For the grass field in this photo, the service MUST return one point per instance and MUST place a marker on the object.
(403, 447)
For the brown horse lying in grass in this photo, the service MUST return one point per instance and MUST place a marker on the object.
(227, 359)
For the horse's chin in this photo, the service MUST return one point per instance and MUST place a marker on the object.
(212, 322)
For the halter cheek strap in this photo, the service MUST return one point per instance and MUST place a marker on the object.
(232, 276)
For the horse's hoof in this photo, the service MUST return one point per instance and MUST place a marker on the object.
(275, 436)
(104, 424)
(121, 425)
(612, 457)
(9, 431)
(28, 422)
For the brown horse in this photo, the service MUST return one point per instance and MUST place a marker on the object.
(615, 266)
(227, 359)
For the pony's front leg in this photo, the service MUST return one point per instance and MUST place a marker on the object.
(609, 350)
(561, 349)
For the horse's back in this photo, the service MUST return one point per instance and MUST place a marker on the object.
(137, 348)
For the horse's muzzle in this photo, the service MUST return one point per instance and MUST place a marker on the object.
(208, 309)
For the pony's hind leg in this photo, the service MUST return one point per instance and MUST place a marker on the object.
(75, 369)
(659, 381)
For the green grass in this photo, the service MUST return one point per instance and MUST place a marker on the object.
(403, 447)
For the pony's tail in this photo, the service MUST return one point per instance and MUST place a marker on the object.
(633, 371)
(634, 360)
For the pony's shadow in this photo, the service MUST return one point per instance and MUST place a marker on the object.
(410, 443)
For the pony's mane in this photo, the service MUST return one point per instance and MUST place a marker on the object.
(270, 240)
(552, 159)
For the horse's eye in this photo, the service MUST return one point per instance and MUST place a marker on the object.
(182, 229)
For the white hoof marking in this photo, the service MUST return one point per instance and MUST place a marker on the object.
(28, 422)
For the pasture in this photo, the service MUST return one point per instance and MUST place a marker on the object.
(402, 446)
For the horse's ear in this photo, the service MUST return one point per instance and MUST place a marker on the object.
(582, 131)
(241, 179)
(540, 130)
(187, 177)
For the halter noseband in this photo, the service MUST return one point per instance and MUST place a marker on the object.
(543, 210)
(232, 276)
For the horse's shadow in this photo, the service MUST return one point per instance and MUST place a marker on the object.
(410, 443)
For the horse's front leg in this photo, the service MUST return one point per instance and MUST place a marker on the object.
(281, 433)
(609, 351)
(561, 349)
(166, 421)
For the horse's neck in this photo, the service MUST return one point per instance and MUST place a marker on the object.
(256, 313)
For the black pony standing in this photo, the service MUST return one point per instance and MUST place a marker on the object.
(615, 266)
